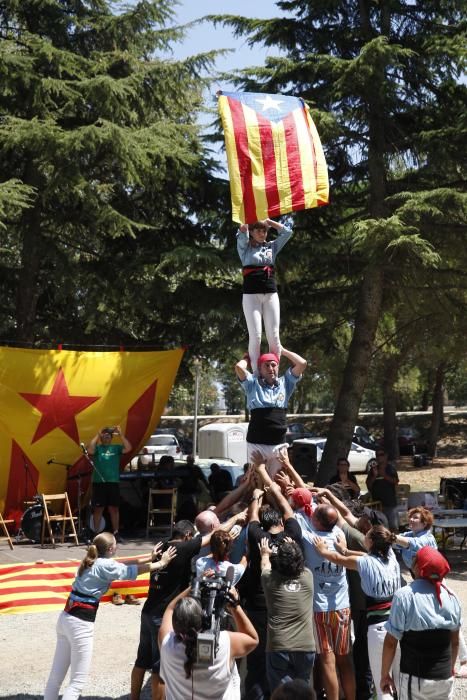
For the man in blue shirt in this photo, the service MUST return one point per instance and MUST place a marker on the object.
(267, 400)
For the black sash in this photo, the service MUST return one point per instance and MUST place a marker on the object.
(267, 426)
(427, 654)
(259, 279)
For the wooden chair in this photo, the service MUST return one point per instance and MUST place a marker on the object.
(4, 529)
(52, 504)
(162, 506)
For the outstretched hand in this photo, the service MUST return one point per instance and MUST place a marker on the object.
(169, 554)
(320, 544)
(264, 547)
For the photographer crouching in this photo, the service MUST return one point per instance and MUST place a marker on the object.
(197, 655)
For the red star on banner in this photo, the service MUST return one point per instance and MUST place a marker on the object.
(58, 409)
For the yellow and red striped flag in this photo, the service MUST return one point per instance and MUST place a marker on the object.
(43, 587)
(274, 154)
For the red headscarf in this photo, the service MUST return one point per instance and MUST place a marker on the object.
(302, 499)
(433, 567)
(267, 357)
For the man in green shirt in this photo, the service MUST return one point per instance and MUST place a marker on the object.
(106, 475)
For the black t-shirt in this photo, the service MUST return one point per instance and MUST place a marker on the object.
(253, 590)
(166, 584)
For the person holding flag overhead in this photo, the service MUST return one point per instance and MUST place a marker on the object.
(260, 298)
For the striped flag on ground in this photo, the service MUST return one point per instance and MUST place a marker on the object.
(42, 587)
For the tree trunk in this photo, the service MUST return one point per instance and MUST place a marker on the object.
(391, 444)
(355, 374)
(371, 291)
(437, 411)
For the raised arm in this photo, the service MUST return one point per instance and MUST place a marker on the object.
(290, 471)
(282, 502)
(347, 560)
(298, 363)
(91, 448)
(241, 369)
(126, 443)
(233, 497)
(341, 508)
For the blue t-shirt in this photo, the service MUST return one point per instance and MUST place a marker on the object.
(259, 394)
(417, 541)
(416, 607)
(331, 591)
(95, 580)
(220, 567)
(264, 254)
(380, 578)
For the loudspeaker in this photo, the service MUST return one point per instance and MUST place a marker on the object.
(304, 459)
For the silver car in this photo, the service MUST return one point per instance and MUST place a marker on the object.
(159, 445)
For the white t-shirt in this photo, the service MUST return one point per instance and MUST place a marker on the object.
(219, 681)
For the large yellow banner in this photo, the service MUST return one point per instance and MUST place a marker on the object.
(52, 400)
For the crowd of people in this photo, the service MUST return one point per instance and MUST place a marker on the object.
(304, 563)
(315, 597)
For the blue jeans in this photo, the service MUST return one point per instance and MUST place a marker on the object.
(283, 666)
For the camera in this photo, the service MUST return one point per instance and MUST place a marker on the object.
(213, 594)
(110, 430)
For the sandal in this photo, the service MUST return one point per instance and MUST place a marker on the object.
(131, 600)
(117, 599)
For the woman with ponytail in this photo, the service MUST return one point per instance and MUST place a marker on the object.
(380, 578)
(218, 561)
(75, 625)
(184, 677)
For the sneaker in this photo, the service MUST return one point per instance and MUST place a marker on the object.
(118, 538)
(117, 599)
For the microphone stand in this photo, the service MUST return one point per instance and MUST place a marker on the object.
(28, 476)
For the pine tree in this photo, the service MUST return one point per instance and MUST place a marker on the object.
(100, 129)
(383, 82)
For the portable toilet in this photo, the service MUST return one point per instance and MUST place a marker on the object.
(226, 440)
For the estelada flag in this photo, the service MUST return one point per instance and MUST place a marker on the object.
(274, 154)
(52, 400)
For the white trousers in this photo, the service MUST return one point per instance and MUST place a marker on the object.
(266, 308)
(270, 454)
(424, 688)
(376, 635)
(74, 650)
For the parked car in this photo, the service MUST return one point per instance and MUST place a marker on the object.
(297, 431)
(362, 437)
(234, 469)
(361, 459)
(186, 444)
(165, 444)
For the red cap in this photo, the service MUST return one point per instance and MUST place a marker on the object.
(267, 357)
(302, 499)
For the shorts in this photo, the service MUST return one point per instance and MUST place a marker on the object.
(148, 656)
(270, 454)
(106, 494)
(332, 631)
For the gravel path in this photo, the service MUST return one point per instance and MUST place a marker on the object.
(27, 643)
